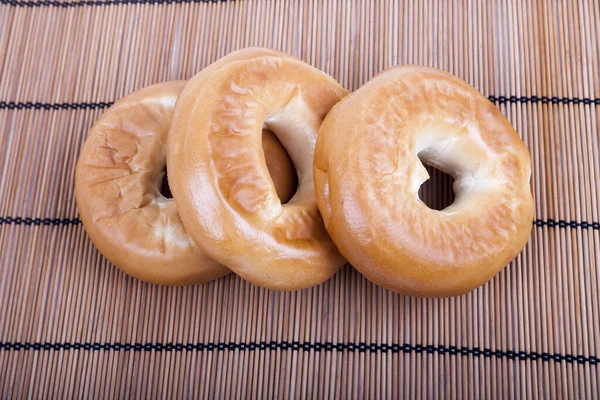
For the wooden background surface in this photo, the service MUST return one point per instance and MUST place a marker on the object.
(72, 325)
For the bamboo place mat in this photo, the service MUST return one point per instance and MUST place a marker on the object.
(72, 325)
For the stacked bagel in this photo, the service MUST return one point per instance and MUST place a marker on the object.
(280, 176)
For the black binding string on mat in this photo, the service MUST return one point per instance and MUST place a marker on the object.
(70, 4)
(349, 347)
(29, 105)
(38, 221)
(551, 223)
(28, 221)
(543, 100)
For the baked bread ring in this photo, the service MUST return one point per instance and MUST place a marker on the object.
(117, 188)
(368, 171)
(221, 185)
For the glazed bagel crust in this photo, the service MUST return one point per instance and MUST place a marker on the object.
(220, 180)
(367, 175)
(117, 188)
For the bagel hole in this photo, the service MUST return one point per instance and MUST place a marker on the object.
(164, 185)
(436, 192)
(281, 169)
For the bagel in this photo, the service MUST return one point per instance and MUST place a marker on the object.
(117, 190)
(221, 186)
(368, 170)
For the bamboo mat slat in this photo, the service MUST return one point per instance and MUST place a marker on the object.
(72, 325)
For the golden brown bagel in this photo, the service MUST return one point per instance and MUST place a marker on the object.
(367, 176)
(117, 187)
(221, 184)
